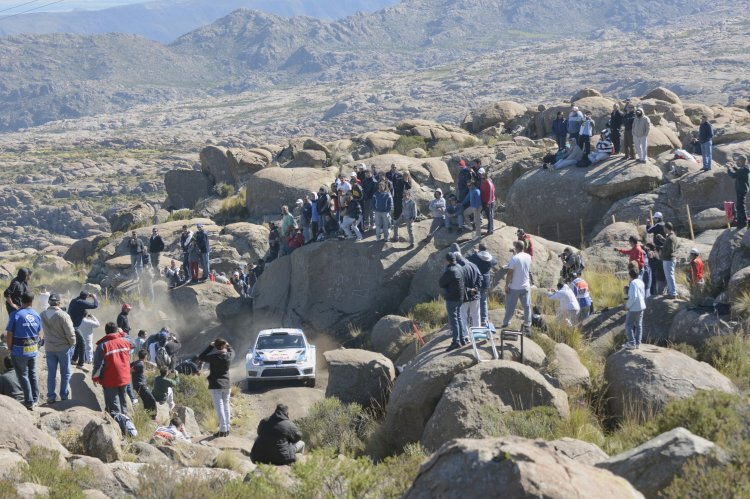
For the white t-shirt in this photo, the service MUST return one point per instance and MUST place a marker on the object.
(568, 300)
(521, 265)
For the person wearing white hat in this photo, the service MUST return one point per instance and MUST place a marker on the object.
(657, 229)
(697, 270)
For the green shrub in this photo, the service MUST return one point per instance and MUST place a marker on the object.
(543, 422)
(161, 482)
(224, 190)
(233, 208)
(192, 391)
(331, 424)
(183, 214)
(431, 314)
(688, 350)
(406, 143)
(606, 288)
(699, 481)
(730, 355)
(43, 467)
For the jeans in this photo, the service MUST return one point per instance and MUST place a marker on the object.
(154, 259)
(222, 406)
(26, 372)
(561, 140)
(706, 153)
(510, 305)
(349, 225)
(136, 264)
(61, 359)
(436, 224)
(564, 163)
(79, 351)
(477, 212)
(382, 224)
(454, 320)
(641, 147)
(484, 310)
(114, 400)
(409, 228)
(489, 212)
(669, 274)
(615, 134)
(629, 145)
(206, 265)
(634, 327)
(470, 314)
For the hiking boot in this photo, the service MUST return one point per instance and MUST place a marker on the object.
(453, 346)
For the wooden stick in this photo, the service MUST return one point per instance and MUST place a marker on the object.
(690, 221)
(580, 221)
(650, 217)
(613, 219)
(538, 231)
(558, 231)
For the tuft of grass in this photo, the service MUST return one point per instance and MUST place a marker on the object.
(741, 306)
(730, 355)
(184, 214)
(161, 482)
(233, 208)
(70, 438)
(43, 467)
(331, 424)
(605, 287)
(688, 350)
(227, 460)
(224, 190)
(430, 315)
(406, 143)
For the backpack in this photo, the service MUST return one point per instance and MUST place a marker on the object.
(584, 162)
(163, 359)
(126, 424)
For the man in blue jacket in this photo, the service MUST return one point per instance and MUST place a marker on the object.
(705, 137)
(560, 130)
(484, 262)
(382, 204)
(452, 282)
(473, 204)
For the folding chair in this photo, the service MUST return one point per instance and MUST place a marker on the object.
(483, 333)
(507, 334)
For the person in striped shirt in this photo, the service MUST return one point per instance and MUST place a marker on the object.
(604, 148)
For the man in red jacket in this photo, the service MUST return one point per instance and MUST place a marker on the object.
(487, 191)
(112, 367)
(635, 253)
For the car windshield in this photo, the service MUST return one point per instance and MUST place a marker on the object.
(275, 342)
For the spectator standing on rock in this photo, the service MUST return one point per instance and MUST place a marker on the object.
(219, 355)
(615, 124)
(473, 207)
(452, 283)
(122, 319)
(587, 131)
(77, 309)
(408, 217)
(738, 170)
(635, 254)
(465, 175)
(60, 340)
(10, 386)
(487, 190)
(667, 258)
(697, 270)
(18, 286)
(568, 308)
(351, 220)
(560, 130)
(306, 219)
(194, 260)
(274, 242)
(641, 129)
(204, 247)
(314, 217)
(401, 184)
(657, 229)
(437, 212)
(484, 261)
(572, 157)
(279, 440)
(155, 247)
(112, 368)
(575, 118)
(470, 308)
(185, 238)
(382, 204)
(635, 306)
(658, 279)
(705, 137)
(518, 286)
(138, 376)
(582, 293)
(627, 122)
(287, 225)
(23, 335)
(297, 212)
(369, 188)
(136, 249)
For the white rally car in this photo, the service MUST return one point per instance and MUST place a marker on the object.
(281, 354)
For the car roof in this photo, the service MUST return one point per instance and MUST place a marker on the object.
(269, 332)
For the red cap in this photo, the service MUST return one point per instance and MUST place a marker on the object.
(126, 307)
(462, 163)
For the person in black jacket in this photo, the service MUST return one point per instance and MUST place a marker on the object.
(138, 382)
(452, 282)
(484, 262)
(136, 249)
(472, 284)
(155, 247)
(122, 319)
(18, 286)
(615, 124)
(219, 355)
(77, 309)
(279, 440)
(739, 172)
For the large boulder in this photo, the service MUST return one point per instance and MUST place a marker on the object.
(531, 204)
(270, 188)
(652, 466)
(578, 450)
(566, 367)
(250, 240)
(122, 219)
(600, 254)
(391, 335)
(663, 94)
(641, 382)
(659, 317)
(479, 393)
(243, 163)
(216, 165)
(379, 142)
(189, 454)
(695, 327)
(185, 188)
(308, 158)
(429, 172)
(24, 434)
(496, 113)
(196, 304)
(514, 468)
(728, 256)
(359, 376)
(586, 92)
(101, 439)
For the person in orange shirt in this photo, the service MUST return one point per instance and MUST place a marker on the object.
(635, 253)
(697, 269)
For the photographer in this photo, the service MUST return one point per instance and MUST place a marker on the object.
(219, 355)
(739, 171)
(77, 311)
(572, 264)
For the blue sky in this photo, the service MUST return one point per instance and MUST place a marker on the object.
(40, 5)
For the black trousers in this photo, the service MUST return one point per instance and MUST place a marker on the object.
(584, 142)
(78, 352)
(740, 210)
(615, 134)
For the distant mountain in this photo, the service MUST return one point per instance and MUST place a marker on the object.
(165, 20)
(45, 77)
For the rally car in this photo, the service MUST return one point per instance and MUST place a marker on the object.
(281, 354)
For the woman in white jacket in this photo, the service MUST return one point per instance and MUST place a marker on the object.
(88, 324)
(568, 309)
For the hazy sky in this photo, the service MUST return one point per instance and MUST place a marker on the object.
(17, 7)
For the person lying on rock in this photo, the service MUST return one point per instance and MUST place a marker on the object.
(279, 440)
(174, 432)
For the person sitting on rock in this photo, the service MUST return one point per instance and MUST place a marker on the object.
(163, 390)
(9, 384)
(572, 157)
(279, 440)
(604, 148)
(567, 310)
(174, 432)
(454, 215)
(138, 380)
(695, 277)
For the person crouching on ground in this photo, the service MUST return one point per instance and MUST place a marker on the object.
(279, 440)
(568, 309)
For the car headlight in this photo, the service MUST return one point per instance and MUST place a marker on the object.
(257, 360)
(302, 357)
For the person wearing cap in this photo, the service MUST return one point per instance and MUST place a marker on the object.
(77, 309)
(122, 319)
(112, 368)
(473, 207)
(697, 270)
(705, 137)
(641, 129)
(560, 130)
(204, 249)
(452, 284)
(465, 175)
(487, 191)
(738, 170)
(484, 261)
(657, 229)
(88, 324)
(518, 286)
(60, 340)
(408, 217)
(627, 122)
(155, 247)
(437, 212)
(575, 118)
